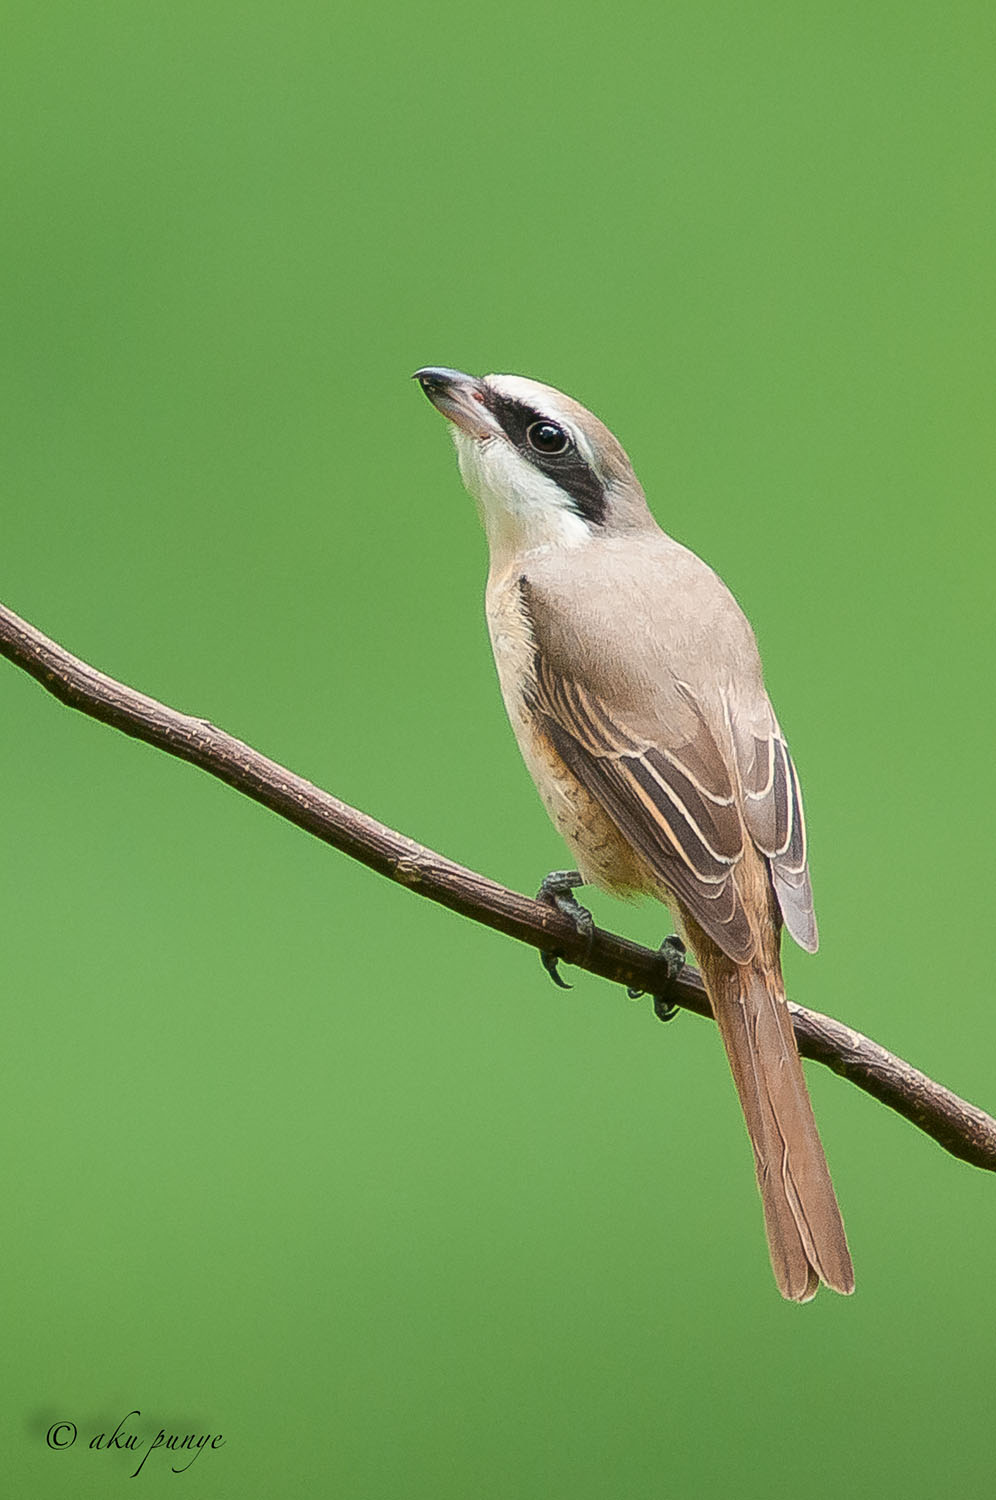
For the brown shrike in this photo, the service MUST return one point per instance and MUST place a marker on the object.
(634, 687)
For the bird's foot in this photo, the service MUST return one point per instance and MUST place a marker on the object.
(672, 950)
(557, 890)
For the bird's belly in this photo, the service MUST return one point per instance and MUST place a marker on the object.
(601, 853)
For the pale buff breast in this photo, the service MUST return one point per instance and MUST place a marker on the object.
(602, 855)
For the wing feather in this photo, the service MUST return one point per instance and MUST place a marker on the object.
(772, 803)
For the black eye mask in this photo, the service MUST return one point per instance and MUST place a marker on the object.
(566, 467)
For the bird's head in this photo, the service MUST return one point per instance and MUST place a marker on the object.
(543, 469)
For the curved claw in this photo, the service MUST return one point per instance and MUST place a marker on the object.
(550, 962)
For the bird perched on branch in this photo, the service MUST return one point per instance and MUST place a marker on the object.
(634, 687)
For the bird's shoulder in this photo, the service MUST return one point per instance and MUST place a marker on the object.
(634, 617)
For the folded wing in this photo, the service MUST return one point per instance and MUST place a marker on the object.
(674, 803)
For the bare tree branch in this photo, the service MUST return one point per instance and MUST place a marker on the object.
(961, 1128)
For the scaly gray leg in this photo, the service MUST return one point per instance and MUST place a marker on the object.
(673, 950)
(558, 890)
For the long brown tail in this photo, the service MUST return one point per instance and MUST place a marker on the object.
(805, 1230)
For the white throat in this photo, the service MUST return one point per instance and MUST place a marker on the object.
(522, 510)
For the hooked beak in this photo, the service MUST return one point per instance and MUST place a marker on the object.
(460, 398)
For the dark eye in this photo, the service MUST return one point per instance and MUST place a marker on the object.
(547, 437)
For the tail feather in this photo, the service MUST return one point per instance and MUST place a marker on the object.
(805, 1231)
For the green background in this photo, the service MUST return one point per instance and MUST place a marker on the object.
(288, 1154)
